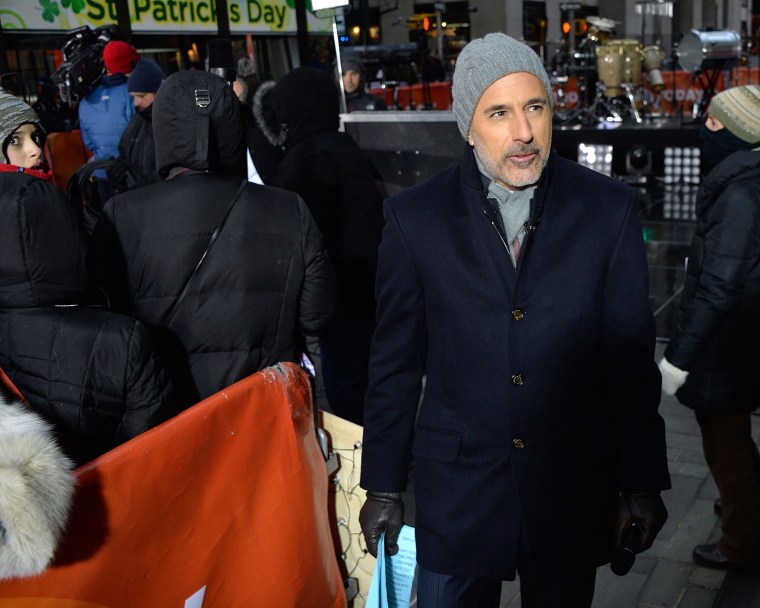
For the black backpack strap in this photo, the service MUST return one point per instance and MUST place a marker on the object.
(212, 240)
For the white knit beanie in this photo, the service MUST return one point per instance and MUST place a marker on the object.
(481, 63)
(14, 112)
(738, 109)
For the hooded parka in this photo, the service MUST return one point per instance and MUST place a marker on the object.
(263, 283)
(333, 175)
(718, 335)
(91, 372)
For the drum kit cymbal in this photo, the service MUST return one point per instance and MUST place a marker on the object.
(611, 69)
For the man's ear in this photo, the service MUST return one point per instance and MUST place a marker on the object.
(470, 140)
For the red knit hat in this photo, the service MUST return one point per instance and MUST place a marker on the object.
(120, 57)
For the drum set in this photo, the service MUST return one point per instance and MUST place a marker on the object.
(611, 69)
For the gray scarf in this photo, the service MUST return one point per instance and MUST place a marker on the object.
(514, 206)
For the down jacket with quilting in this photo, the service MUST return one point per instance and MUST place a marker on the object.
(265, 282)
(718, 337)
(94, 374)
(104, 114)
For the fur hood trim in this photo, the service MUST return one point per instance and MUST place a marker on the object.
(265, 116)
(36, 490)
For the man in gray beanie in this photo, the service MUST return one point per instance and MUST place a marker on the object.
(515, 282)
(357, 98)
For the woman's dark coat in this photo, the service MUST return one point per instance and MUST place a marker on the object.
(541, 394)
(718, 337)
(91, 372)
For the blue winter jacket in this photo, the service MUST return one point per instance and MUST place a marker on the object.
(104, 114)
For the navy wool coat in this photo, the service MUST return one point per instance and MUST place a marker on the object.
(541, 393)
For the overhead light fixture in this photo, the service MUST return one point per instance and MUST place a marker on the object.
(679, 203)
(597, 157)
(638, 160)
(681, 165)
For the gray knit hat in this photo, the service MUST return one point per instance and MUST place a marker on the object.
(481, 63)
(350, 61)
(13, 113)
(738, 109)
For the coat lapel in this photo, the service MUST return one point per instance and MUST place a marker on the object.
(483, 227)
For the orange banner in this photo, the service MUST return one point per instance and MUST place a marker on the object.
(223, 506)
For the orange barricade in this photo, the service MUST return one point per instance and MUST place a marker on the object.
(65, 153)
(223, 506)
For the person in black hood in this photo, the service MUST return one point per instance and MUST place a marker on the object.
(712, 363)
(228, 274)
(92, 373)
(336, 180)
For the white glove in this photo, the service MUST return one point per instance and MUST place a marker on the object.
(672, 377)
(36, 490)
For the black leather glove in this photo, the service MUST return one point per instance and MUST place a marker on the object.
(382, 512)
(117, 174)
(649, 514)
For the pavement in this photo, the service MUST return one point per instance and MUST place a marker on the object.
(665, 576)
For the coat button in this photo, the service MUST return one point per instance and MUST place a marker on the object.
(518, 314)
(517, 379)
(518, 443)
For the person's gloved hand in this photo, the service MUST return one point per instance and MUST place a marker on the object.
(672, 377)
(649, 514)
(117, 174)
(382, 512)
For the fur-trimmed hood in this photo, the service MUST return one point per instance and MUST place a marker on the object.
(303, 102)
(36, 490)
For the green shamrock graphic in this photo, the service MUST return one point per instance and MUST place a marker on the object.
(50, 10)
(76, 5)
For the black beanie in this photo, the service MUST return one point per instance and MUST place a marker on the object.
(146, 77)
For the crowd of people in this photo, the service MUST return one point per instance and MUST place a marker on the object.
(512, 287)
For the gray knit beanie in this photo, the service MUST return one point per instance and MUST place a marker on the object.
(14, 112)
(349, 61)
(738, 109)
(481, 63)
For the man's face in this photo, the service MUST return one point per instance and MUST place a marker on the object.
(511, 130)
(351, 80)
(142, 100)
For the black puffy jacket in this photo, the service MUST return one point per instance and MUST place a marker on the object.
(91, 372)
(265, 282)
(718, 336)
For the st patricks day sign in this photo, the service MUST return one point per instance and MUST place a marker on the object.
(245, 16)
